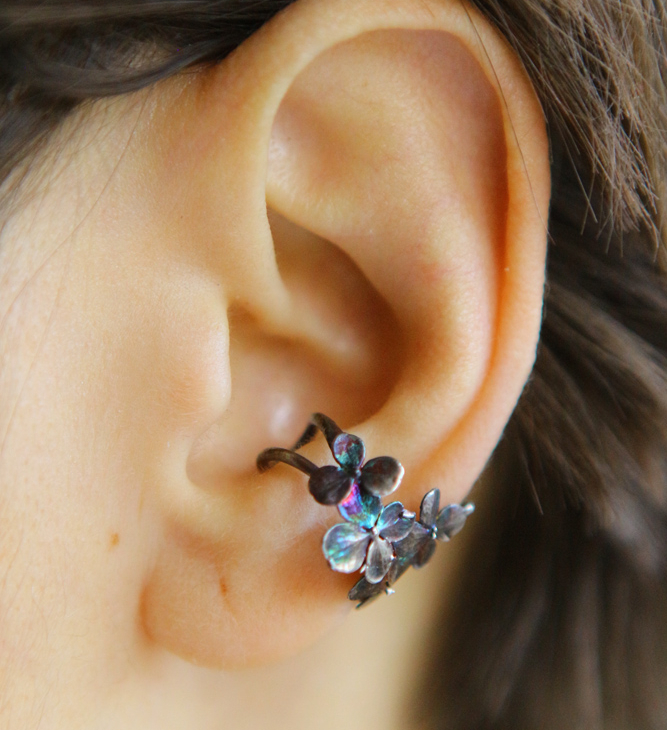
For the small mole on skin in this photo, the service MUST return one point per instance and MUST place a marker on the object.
(223, 588)
(115, 539)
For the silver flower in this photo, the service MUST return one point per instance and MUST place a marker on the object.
(366, 539)
(417, 548)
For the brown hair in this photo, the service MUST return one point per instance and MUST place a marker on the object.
(561, 617)
(560, 613)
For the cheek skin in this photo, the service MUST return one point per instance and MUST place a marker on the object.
(71, 490)
(133, 367)
(109, 368)
(122, 364)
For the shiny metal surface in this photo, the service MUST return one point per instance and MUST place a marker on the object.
(383, 542)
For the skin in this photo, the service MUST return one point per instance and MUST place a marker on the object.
(158, 330)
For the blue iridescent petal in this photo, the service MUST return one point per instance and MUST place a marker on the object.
(429, 507)
(380, 558)
(360, 507)
(395, 522)
(452, 519)
(349, 451)
(344, 546)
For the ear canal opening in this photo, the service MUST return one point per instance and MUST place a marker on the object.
(340, 353)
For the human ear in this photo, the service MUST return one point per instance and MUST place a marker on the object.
(395, 284)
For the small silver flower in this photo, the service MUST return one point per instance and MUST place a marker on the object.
(418, 546)
(332, 484)
(366, 539)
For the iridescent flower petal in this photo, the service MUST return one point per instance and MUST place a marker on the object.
(379, 558)
(395, 522)
(349, 451)
(424, 554)
(360, 507)
(390, 514)
(344, 546)
(452, 519)
(407, 548)
(398, 567)
(381, 476)
(400, 529)
(363, 591)
(429, 507)
(329, 485)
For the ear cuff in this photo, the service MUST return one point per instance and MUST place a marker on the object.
(381, 541)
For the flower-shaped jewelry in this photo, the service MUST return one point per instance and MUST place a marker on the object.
(432, 526)
(365, 540)
(382, 542)
(418, 546)
(330, 485)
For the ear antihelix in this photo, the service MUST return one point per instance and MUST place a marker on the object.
(419, 178)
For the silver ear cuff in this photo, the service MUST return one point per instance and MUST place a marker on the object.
(381, 541)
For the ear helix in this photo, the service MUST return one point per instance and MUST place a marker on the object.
(382, 542)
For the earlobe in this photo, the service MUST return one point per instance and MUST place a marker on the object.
(401, 152)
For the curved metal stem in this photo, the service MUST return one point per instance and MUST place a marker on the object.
(270, 457)
(318, 421)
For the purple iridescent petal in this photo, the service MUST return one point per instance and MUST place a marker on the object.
(452, 518)
(381, 476)
(395, 522)
(380, 557)
(429, 508)
(349, 451)
(360, 507)
(329, 485)
(345, 546)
